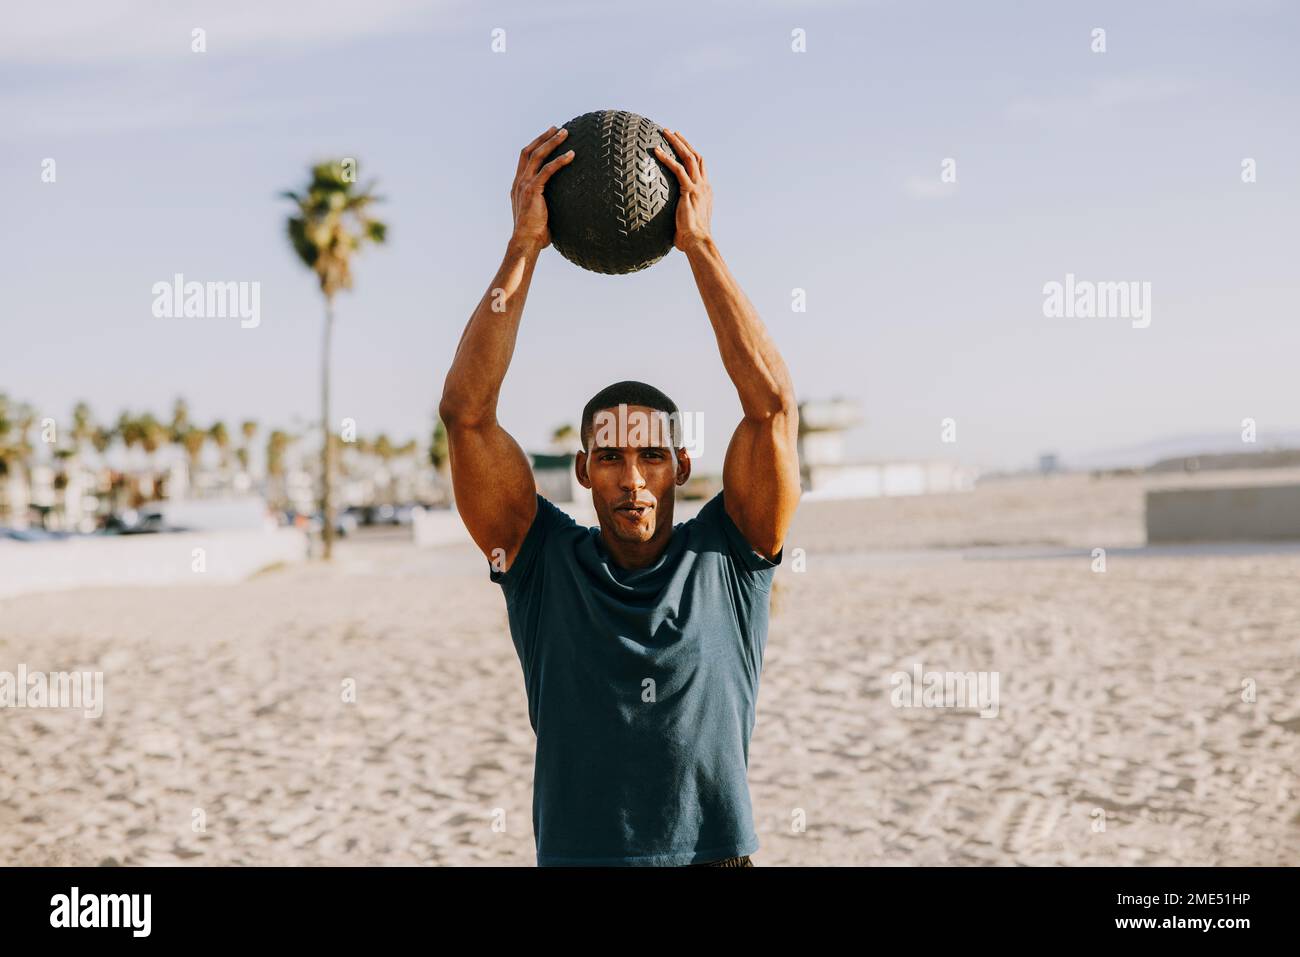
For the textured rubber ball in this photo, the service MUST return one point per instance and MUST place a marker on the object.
(613, 208)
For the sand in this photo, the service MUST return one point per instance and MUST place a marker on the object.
(1121, 736)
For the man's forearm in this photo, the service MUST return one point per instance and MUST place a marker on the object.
(469, 395)
(748, 352)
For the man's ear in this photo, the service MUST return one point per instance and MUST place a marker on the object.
(580, 469)
(683, 466)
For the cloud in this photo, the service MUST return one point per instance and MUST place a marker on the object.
(920, 187)
(693, 63)
(93, 31)
(1103, 95)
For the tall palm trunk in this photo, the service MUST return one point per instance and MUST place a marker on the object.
(327, 447)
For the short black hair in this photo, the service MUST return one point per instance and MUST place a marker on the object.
(629, 392)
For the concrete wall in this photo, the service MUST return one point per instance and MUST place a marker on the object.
(167, 559)
(872, 479)
(1253, 513)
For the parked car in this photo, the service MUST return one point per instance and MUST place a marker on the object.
(390, 514)
(133, 522)
(31, 535)
(345, 523)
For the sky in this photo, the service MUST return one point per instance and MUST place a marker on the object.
(924, 297)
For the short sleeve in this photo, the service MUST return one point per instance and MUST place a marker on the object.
(715, 513)
(522, 571)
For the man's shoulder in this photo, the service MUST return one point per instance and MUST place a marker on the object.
(550, 528)
(552, 514)
(713, 524)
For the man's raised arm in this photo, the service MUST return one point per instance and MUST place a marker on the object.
(760, 476)
(496, 493)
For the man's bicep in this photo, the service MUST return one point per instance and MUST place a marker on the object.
(760, 478)
(496, 493)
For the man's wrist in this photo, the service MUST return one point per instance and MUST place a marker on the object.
(701, 248)
(524, 246)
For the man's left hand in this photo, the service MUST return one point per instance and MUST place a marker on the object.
(695, 200)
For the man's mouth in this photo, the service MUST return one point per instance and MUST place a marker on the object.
(633, 511)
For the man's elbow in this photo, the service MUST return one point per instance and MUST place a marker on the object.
(449, 411)
(779, 403)
(459, 415)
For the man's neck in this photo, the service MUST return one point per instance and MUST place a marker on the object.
(633, 555)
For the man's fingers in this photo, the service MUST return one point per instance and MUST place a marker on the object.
(686, 151)
(696, 153)
(527, 151)
(687, 143)
(547, 171)
(540, 152)
(666, 158)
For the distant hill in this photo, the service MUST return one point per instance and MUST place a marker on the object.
(1270, 459)
(1160, 453)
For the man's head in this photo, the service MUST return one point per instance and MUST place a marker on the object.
(632, 459)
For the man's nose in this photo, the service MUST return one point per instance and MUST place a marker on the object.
(632, 478)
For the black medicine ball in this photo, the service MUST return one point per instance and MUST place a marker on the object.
(613, 208)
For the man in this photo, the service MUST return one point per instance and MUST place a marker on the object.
(641, 643)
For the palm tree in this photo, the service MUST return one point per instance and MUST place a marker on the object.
(102, 438)
(83, 425)
(440, 458)
(12, 452)
(563, 436)
(153, 436)
(73, 460)
(129, 431)
(276, 445)
(180, 420)
(331, 222)
(194, 440)
(247, 429)
(221, 439)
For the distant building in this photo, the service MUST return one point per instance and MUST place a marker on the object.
(556, 479)
(826, 473)
(821, 431)
(873, 479)
(1048, 463)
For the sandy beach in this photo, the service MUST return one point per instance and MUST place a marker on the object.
(1122, 735)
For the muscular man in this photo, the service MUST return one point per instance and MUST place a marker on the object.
(641, 642)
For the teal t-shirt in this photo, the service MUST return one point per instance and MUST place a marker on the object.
(641, 689)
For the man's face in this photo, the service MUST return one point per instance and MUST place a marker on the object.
(632, 470)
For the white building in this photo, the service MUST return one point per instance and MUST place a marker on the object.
(826, 473)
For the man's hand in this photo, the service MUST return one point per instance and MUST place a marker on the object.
(695, 202)
(526, 192)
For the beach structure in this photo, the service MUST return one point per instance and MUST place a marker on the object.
(555, 477)
(1242, 513)
(827, 473)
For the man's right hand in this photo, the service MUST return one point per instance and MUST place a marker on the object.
(526, 193)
